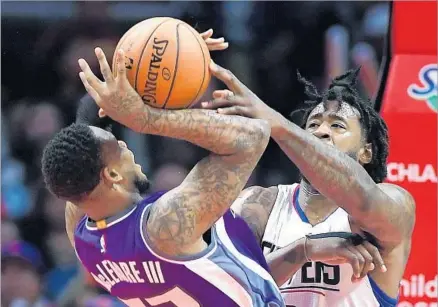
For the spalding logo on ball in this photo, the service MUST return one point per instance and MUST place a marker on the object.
(167, 62)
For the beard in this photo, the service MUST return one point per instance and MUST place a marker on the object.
(142, 185)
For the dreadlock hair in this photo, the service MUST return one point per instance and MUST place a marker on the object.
(374, 129)
(72, 162)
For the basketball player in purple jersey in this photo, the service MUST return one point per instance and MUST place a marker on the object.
(182, 248)
(167, 249)
(341, 151)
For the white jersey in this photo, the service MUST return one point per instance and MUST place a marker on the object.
(317, 284)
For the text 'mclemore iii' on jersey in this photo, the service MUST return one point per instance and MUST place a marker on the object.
(232, 271)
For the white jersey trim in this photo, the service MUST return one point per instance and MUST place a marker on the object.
(246, 261)
(113, 222)
(219, 278)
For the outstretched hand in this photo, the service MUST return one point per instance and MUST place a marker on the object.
(115, 95)
(213, 44)
(237, 99)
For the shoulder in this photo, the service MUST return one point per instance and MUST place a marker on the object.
(256, 195)
(254, 205)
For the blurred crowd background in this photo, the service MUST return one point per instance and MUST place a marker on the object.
(40, 91)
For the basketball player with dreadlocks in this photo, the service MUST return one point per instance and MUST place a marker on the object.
(341, 150)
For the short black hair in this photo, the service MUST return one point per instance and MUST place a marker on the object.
(72, 162)
(374, 129)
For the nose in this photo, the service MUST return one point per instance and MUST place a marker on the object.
(122, 144)
(323, 132)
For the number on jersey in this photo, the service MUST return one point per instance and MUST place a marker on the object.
(318, 272)
(176, 296)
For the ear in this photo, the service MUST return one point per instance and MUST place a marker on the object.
(365, 154)
(111, 175)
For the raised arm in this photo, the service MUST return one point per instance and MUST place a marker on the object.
(386, 211)
(181, 216)
(179, 219)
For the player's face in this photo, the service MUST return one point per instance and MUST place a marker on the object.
(133, 170)
(120, 163)
(338, 125)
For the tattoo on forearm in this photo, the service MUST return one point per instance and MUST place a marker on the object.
(330, 171)
(337, 176)
(214, 183)
(208, 192)
(220, 134)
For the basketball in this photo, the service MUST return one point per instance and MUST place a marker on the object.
(167, 62)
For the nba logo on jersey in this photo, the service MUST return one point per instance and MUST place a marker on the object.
(102, 245)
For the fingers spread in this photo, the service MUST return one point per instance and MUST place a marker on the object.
(121, 67)
(92, 80)
(93, 93)
(104, 67)
(228, 78)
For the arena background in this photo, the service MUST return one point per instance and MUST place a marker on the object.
(269, 41)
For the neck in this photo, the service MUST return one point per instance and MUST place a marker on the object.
(104, 207)
(309, 198)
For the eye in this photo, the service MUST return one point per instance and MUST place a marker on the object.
(312, 125)
(338, 126)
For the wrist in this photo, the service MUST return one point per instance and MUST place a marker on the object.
(278, 125)
(140, 117)
(307, 247)
(302, 250)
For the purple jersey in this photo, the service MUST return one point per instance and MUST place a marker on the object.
(231, 271)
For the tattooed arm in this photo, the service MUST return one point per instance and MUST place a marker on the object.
(384, 210)
(181, 216)
(177, 221)
(254, 205)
